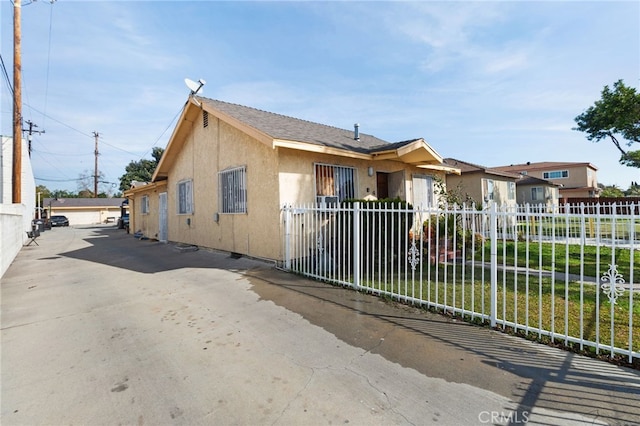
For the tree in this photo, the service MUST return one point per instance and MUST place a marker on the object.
(142, 170)
(616, 114)
(610, 191)
(634, 190)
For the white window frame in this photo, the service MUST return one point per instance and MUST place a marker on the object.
(562, 174)
(232, 190)
(184, 198)
(335, 181)
(144, 205)
(535, 190)
(488, 189)
(511, 190)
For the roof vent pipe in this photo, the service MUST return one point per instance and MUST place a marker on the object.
(356, 132)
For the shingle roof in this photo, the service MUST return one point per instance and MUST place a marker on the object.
(543, 165)
(531, 180)
(466, 167)
(83, 202)
(294, 129)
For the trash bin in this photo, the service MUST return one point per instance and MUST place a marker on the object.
(38, 226)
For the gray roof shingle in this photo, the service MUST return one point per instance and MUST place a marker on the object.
(294, 129)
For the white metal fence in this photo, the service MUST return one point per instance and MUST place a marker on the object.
(568, 274)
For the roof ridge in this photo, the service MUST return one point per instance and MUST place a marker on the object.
(282, 115)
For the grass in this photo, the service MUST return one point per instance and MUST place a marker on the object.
(590, 261)
(566, 309)
(591, 227)
(536, 303)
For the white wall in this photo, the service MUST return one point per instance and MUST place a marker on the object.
(12, 236)
(15, 219)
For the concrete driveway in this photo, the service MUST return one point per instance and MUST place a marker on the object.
(101, 328)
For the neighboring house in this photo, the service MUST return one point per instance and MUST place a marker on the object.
(532, 190)
(228, 170)
(576, 180)
(84, 211)
(483, 185)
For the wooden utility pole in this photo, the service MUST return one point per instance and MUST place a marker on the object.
(17, 106)
(95, 174)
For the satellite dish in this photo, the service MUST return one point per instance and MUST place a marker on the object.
(194, 86)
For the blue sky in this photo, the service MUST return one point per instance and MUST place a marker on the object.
(492, 83)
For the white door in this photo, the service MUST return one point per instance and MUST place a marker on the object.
(422, 191)
(162, 218)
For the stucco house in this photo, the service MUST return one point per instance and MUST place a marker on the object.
(575, 180)
(483, 185)
(535, 191)
(228, 170)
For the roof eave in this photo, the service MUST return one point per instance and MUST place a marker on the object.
(309, 147)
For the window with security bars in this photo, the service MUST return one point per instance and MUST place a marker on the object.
(335, 181)
(185, 197)
(232, 187)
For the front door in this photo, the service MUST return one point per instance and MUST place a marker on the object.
(162, 218)
(382, 185)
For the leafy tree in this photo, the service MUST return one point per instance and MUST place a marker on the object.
(61, 193)
(142, 170)
(634, 190)
(616, 114)
(610, 191)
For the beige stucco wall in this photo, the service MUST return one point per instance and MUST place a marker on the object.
(579, 177)
(275, 176)
(551, 195)
(297, 179)
(206, 152)
(147, 224)
(471, 184)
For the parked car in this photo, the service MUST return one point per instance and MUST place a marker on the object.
(59, 221)
(123, 222)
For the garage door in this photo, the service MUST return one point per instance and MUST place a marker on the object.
(82, 218)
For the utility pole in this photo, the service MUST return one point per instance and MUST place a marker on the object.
(17, 106)
(95, 175)
(31, 131)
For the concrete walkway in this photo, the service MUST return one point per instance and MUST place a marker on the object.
(101, 328)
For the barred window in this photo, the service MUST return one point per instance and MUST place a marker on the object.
(232, 188)
(185, 197)
(335, 181)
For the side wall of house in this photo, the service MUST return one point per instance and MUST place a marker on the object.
(145, 223)
(207, 151)
(471, 184)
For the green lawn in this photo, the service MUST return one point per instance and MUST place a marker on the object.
(574, 258)
(573, 309)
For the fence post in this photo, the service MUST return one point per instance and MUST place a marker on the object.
(356, 245)
(493, 217)
(287, 237)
